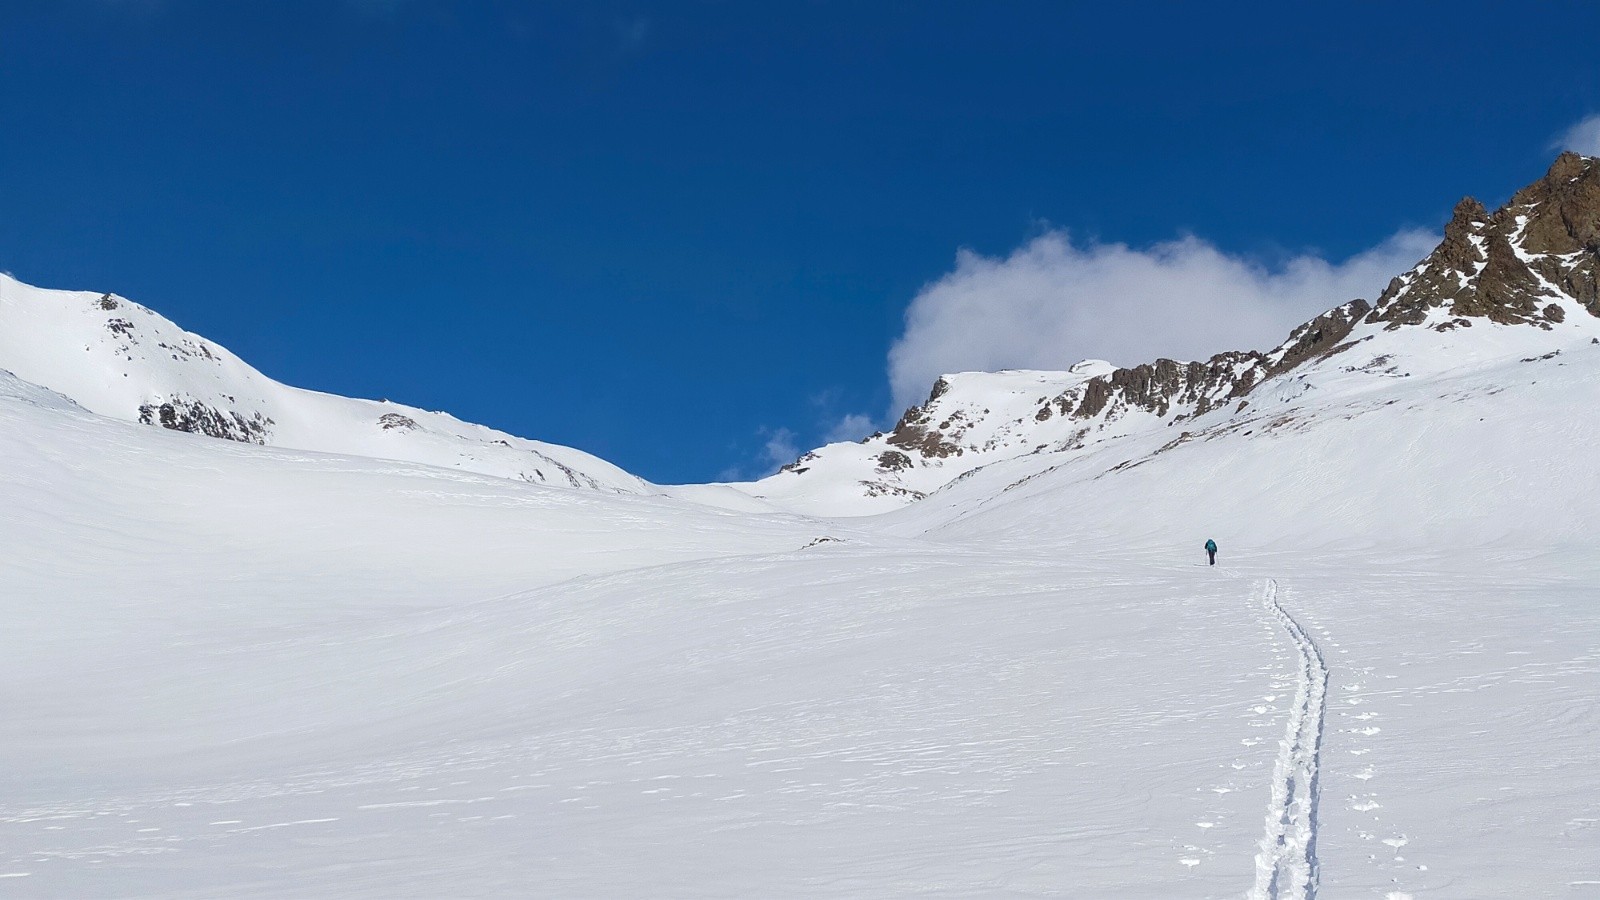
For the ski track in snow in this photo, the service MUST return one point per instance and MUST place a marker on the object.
(1286, 863)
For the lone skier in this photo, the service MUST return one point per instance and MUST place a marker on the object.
(1211, 551)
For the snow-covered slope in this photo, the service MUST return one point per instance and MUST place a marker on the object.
(1533, 266)
(979, 420)
(117, 358)
(240, 670)
(235, 670)
(1424, 438)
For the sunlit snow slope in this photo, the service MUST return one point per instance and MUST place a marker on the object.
(240, 670)
(117, 358)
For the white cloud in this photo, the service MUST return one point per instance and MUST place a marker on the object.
(1055, 301)
(852, 427)
(1583, 137)
(780, 448)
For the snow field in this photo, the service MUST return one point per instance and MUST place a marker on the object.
(854, 723)
(246, 671)
(217, 703)
(1286, 864)
(1459, 755)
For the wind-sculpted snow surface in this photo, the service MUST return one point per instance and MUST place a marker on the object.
(1286, 864)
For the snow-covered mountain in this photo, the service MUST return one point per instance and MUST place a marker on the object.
(237, 669)
(120, 359)
(1525, 277)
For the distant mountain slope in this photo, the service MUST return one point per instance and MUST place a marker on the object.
(1467, 437)
(1532, 267)
(117, 358)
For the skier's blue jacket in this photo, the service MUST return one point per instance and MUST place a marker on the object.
(1211, 546)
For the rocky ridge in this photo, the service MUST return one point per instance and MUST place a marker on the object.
(1531, 264)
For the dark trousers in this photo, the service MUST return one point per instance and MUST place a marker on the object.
(1212, 555)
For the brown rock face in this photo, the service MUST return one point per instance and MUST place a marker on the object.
(1157, 387)
(1571, 223)
(893, 461)
(1508, 265)
(1318, 337)
(917, 432)
(1567, 227)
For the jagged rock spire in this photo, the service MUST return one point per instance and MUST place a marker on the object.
(1517, 265)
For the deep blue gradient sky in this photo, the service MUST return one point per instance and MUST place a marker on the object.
(664, 232)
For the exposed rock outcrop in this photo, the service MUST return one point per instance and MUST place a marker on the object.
(1513, 266)
(916, 431)
(195, 417)
(1509, 265)
(1533, 263)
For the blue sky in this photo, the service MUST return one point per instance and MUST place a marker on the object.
(686, 237)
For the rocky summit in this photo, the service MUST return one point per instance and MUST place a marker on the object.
(1512, 265)
(1533, 263)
